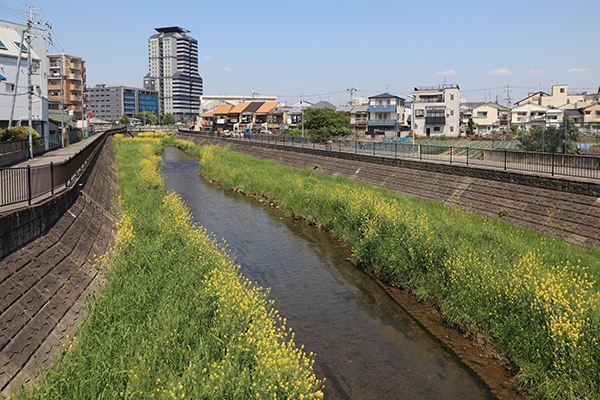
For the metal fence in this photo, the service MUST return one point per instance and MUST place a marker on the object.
(581, 166)
(20, 184)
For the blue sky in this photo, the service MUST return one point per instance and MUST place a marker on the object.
(318, 49)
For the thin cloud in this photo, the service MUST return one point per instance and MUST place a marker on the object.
(536, 71)
(580, 70)
(502, 71)
(450, 72)
(227, 69)
(207, 58)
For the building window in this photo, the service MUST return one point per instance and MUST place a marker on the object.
(436, 128)
(482, 114)
(419, 113)
(588, 112)
(562, 90)
(451, 112)
(451, 129)
(597, 113)
(10, 87)
(451, 96)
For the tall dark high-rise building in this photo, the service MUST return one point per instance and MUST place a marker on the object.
(173, 64)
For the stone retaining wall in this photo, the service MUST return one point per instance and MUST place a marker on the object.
(568, 208)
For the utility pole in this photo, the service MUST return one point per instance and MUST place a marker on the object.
(62, 101)
(351, 89)
(29, 85)
(508, 99)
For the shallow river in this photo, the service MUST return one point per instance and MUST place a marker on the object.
(366, 345)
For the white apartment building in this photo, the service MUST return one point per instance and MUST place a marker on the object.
(13, 79)
(436, 111)
(173, 72)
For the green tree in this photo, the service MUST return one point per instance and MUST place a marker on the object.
(124, 120)
(19, 133)
(150, 118)
(552, 139)
(325, 123)
(471, 126)
(168, 119)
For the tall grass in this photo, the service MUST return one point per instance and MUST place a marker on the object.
(175, 319)
(533, 296)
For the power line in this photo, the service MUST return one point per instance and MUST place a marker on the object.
(22, 15)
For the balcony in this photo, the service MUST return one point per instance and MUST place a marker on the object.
(383, 108)
(435, 120)
(382, 122)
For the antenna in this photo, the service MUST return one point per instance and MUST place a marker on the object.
(387, 88)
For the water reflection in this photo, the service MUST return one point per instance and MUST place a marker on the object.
(366, 345)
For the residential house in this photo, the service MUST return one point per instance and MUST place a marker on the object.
(247, 116)
(591, 115)
(530, 114)
(358, 116)
(560, 98)
(490, 117)
(276, 118)
(221, 117)
(261, 115)
(13, 78)
(233, 123)
(386, 113)
(436, 111)
(204, 122)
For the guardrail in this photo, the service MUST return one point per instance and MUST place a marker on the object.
(20, 184)
(579, 166)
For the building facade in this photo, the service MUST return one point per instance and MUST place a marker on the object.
(72, 86)
(110, 103)
(436, 111)
(173, 72)
(14, 102)
(386, 113)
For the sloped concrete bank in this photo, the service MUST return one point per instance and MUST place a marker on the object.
(567, 208)
(44, 285)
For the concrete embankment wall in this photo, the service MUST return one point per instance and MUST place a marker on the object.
(44, 284)
(567, 208)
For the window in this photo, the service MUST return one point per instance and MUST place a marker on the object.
(451, 112)
(482, 114)
(451, 96)
(18, 44)
(562, 90)
(597, 113)
(10, 87)
(588, 112)
(419, 113)
(436, 128)
(451, 129)
(2, 46)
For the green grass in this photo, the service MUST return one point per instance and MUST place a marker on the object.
(534, 297)
(175, 319)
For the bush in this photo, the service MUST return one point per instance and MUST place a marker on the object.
(19, 133)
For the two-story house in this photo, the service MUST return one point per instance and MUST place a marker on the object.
(386, 113)
(490, 117)
(436, 111)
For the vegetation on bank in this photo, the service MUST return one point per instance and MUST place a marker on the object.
(175, 318)
(534, 297)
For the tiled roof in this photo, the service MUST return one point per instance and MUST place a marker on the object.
(252, 107)
(223, 109)
(266, 107)
(239, 108)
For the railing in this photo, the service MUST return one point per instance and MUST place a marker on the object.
(15, 145)
(28, 183)
(544, 163)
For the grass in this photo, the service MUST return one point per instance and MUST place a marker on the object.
(533, 296)
(175, 318)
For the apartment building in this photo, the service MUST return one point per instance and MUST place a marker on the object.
(110, 103)
(173, 72)
(13, 77)
(70, 90)
(436, 111)
(490, 117)
(561, 98)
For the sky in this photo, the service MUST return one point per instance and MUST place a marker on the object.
(318, 50)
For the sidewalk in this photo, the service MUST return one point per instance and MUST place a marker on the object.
(56, 156)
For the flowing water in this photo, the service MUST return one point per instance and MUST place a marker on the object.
(366, 345)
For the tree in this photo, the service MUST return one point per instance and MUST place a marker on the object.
(552, 139)
(168, 119)
(325, 123)
(124, 120)
(471, 126)
(150, 118)
(19, 133)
